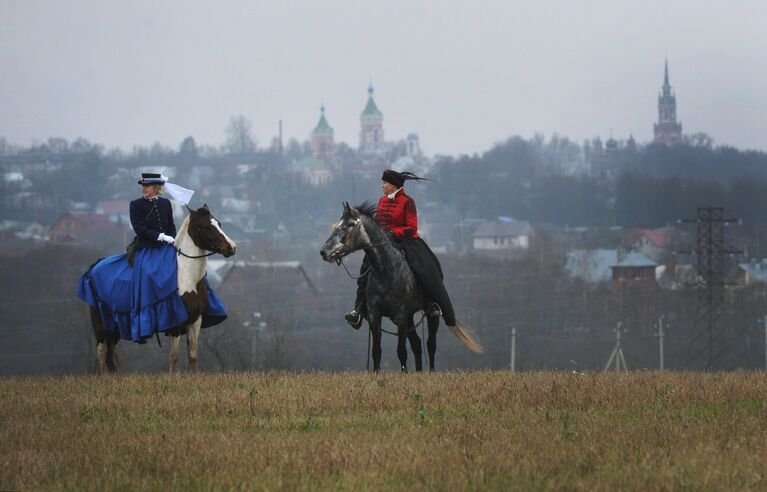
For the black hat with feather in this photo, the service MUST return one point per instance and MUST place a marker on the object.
(398, 179)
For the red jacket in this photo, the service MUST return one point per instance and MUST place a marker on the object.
(398, 215)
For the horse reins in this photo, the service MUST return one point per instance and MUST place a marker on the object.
(350, 273)
(181, 253)
(370, 267)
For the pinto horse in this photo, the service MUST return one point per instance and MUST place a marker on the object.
(391, 290)
(199, 236)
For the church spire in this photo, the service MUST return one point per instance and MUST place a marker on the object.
(668, 130)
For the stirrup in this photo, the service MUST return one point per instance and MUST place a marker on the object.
(354, 318)
(433, 309)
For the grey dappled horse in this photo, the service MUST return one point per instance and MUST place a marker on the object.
(391, 289)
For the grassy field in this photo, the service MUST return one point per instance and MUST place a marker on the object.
(351, 431)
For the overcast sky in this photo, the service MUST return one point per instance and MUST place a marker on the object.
(462, 75)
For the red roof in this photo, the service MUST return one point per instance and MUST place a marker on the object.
(661, 238)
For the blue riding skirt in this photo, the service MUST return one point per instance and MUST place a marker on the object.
(141, 300)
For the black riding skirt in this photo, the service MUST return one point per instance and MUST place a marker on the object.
(427, 271)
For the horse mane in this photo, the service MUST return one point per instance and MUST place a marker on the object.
(367, 208)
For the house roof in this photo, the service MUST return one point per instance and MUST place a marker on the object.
(503, 227)
(635, 259)
(217, 271)
(661, 238)
(259, 271)
(12, 225)
(757, 271)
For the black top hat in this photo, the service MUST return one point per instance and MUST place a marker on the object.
(151, 178)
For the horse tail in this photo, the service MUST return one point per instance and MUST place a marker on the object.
(467, 337)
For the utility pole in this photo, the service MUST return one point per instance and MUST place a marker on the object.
(617, 353)
(257, 326)
(514, 347)
(253, 347)
(660, 336)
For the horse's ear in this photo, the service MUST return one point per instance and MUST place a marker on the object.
(205, 206)
(346, 207)
(190, 210)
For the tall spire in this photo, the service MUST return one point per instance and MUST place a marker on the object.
(668, 130)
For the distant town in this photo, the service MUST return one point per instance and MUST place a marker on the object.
(562, 240)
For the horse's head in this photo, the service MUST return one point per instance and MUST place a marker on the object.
(205, 231)
(349, 233)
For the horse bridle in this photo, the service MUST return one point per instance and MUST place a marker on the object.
(211, 252)
(181, 253)
(343, 247)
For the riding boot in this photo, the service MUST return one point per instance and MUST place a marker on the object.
(433, 310)
(355, 317)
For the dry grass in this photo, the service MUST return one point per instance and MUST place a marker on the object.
(350, 431)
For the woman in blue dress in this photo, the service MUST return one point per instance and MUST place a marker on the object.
(139, 296)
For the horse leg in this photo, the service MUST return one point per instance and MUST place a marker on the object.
(431, 343)
(402, 329)
(175, 343)
(101, 337)
(415, 346)
(101, 352)
(402, 348)
(374, 324)
(111, 353)
(192, 334)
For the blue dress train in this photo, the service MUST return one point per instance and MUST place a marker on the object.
(141, 300)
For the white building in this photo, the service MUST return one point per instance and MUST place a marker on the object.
(503, 234)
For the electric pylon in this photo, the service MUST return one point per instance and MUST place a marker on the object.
(710, 253)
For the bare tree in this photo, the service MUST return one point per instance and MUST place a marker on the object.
(699, 139)
(239, 136)
(188, 148)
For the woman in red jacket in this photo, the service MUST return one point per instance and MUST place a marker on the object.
(397, 213)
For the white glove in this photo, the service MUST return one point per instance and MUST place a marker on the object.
(165, 238)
